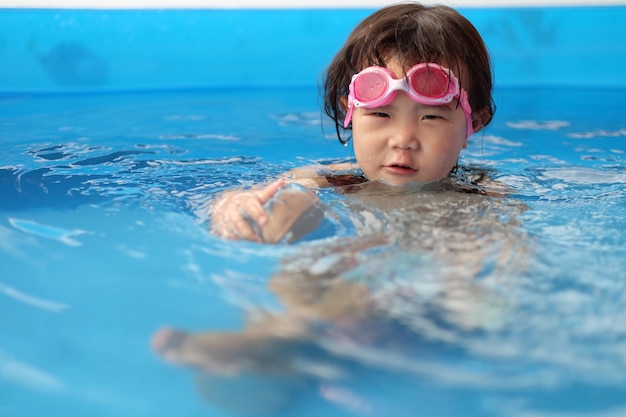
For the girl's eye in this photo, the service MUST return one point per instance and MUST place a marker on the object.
(380, 114)
(432, 117)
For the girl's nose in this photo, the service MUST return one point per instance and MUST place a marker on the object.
(405, 137)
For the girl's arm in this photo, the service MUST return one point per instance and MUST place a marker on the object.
(239, 214)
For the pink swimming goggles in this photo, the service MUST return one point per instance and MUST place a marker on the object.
(426, 83)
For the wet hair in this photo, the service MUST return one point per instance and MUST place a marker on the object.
(412, 33)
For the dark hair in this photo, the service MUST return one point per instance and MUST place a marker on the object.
(412, 33)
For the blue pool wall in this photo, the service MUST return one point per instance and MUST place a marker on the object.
(61, 50)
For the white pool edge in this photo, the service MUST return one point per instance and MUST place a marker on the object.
(283, 4)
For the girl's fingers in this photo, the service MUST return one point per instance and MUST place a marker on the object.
(238, 215)
(240, 228)
(254, 207)
(268, 192)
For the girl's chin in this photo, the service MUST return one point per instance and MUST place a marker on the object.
(405, 183)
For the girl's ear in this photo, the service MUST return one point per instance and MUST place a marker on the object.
(480, 119)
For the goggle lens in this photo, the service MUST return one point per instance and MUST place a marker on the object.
(370, 86)
(432, 83)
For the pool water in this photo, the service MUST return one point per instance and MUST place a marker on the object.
(104, 240)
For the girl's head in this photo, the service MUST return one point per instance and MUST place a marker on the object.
(407, 34)
(410, 137)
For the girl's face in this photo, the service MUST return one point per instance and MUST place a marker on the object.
(408, 142)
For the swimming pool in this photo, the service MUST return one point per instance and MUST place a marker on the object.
(113, 141)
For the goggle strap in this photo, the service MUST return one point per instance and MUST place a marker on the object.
(467, 109)
(346, 122)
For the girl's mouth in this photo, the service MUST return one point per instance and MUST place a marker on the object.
(400, 169)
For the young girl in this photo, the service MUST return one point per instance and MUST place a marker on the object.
(412, 84)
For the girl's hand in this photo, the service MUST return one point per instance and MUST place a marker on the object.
(236, 213)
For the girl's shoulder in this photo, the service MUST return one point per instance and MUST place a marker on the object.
(474, 180)
(327, 175)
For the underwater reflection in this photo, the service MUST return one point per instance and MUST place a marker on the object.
(419, 281)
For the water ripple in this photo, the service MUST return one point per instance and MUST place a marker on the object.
(32, 300)
(46, 231)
